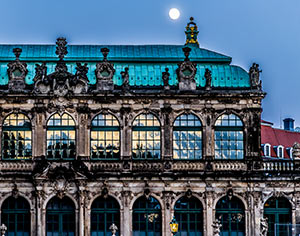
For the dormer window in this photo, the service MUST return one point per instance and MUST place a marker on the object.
(280, 152)
(290, 152)
(267, 150)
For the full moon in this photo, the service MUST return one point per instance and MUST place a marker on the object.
(174, 13)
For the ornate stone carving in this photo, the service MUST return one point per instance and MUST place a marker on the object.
(207, 77)
(125, 77)
(61, 82)
(104, 73)
(15, 191)
(264, 227)
(186, 72)
(216, 228)
(254, 73)
(191, 33)
(296, 151)
(60, 187)
(17, 72)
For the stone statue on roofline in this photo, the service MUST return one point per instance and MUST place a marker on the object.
(296, 151)
(186, 72)
(254, 75)
(207, 77)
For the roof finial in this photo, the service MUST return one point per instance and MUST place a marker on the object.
(61, 48)
(191, 33)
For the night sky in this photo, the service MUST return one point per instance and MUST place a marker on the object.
(262, 31)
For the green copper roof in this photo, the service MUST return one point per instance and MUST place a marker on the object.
(146, 63)
(117, 53)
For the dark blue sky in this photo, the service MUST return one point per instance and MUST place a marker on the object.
(262, 31)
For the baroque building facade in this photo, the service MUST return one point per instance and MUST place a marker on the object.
(93, 135)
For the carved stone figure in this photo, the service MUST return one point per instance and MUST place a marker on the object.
(207, 77)
(165, 77)
(61, 82)
(296, 151)
(80, 82)
(17, 72)
(264, 227)
(254, 74)
(125, 77)
(104, 73)
(113, 228)
(186, 72)
(216, 228)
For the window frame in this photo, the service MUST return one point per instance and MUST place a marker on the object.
(280, 148)
(146, 129)
(17, 129)
(61, 128)
(187, 128)
(229, 128)
(267, 146)
(105, 128)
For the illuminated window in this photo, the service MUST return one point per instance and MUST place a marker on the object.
(16, 137)
(105, 137)
(61, 137)
(187, 137)
(146, 137)
(229, 141)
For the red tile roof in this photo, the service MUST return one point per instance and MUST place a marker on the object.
(276, 137)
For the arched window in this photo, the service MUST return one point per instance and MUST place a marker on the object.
(146, 137)
(279, 214)
(60, 219)
(187, 137)
(189, 214)
(229, 141)
(230, 212)
(15, 214)
(146, 217)
(61, 137)
(104, 212)
(105, 137)
(16, 137)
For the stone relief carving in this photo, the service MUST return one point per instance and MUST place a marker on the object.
(186, 72)
(264, 227)
(17, 72)
(254, 73)
(216, 228)
(104, 73)
(61, 82)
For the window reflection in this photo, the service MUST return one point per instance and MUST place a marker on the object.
(61, 137)
(229, 141)
(187, 137)
(16, 137)
(105, 137)
(146, 137)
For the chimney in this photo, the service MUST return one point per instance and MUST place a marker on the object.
(288, 124)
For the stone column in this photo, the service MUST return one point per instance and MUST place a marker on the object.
(40, 215)
(125, 133)
(210, 214)
(82, 222)
(166, 133)
(168, 212)
(126, 227)
(257, 212)
(83, 139)
(208, 137)
(39, 135)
